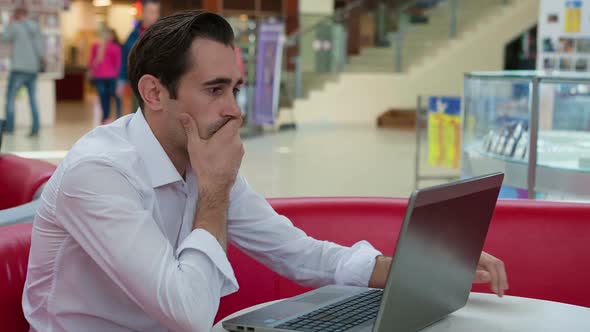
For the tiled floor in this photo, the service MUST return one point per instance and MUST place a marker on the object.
(310, 161)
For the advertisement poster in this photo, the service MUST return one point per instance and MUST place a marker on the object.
(564, 35)
(573, 16)
(444, 131)
(269, 54)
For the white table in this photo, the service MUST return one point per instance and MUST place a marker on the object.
(488, 313)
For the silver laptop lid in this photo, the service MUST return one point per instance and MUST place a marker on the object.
(436, 256)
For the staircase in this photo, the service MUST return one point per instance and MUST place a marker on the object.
(423, 40)
(435, 64)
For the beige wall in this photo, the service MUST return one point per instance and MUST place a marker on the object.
(325, 7)
(83, 16)
(80, 23)
(79, 17)
(121, 20)
(360, 98)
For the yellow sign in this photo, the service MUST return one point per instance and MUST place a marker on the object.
(444, 132)
(573, 16)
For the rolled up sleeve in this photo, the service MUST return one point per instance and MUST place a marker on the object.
(204, 242)
(356, 265)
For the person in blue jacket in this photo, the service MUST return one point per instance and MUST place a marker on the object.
(149, 15)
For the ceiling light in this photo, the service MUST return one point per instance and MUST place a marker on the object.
(101, 3)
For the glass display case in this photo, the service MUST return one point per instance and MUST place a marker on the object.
(534, 127)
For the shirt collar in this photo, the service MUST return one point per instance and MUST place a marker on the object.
(157, 162)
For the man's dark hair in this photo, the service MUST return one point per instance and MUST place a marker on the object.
(164, 48)
(21, 10)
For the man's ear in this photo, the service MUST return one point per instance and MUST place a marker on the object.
(151, 91)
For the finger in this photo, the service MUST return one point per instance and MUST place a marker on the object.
(503, 276)
(490, 267)
(231, 128)
(190, 127)
(482, 277)
(501, 279)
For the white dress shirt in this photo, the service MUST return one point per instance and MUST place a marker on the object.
(113, 247)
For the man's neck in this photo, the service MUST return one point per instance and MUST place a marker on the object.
(178, 157)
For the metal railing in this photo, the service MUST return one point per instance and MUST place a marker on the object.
(321, 49)
(458, 14)
(321, 42)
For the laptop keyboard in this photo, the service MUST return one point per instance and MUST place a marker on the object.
(339, 316)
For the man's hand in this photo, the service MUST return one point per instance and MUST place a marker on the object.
(215, 162)
(491, 270)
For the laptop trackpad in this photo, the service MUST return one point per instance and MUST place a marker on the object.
(319, 298)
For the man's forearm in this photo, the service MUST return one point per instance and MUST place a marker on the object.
(380, 272)
(211, 215)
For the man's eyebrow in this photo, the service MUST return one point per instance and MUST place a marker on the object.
(218, 81)
(222, 81)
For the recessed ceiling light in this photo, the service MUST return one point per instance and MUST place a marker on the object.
(101, 3)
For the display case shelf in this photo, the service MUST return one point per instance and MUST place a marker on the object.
(534, 127)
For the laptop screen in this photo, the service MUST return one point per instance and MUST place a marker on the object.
(437, 253)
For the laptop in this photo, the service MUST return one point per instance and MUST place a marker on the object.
(435, 260)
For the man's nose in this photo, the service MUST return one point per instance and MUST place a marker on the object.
(232, 109)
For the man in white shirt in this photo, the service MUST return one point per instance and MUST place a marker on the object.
(132, 232)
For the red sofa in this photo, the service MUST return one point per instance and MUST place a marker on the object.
(15, 242)
(545, 247)
(21, 178)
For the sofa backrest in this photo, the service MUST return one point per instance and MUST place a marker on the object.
(20, 178)
(546, 249)
(545, 246)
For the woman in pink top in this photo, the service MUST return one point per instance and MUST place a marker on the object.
(104, 66)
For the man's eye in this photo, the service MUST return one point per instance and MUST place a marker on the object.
(236, 91)
(214, 91)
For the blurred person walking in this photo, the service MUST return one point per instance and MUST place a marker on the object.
(26, 39)
(149, 15)
(104, 66)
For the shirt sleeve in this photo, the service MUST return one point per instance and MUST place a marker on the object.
(270, 238)
(40, 40)
(92, 57)
(125, 50)
(98, 205)
(8, 35)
